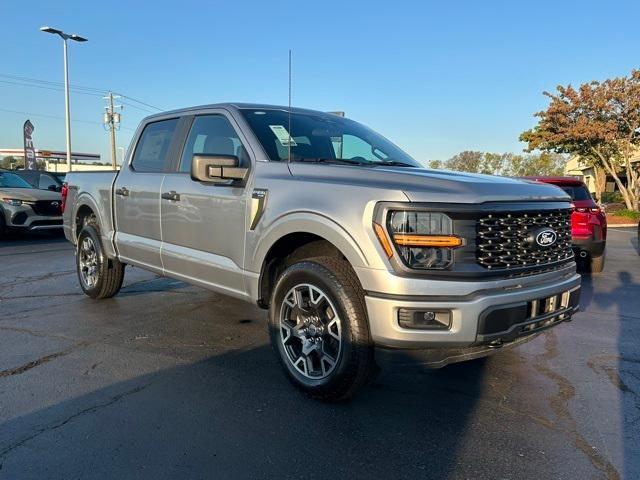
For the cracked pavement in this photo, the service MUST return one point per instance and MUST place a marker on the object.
(171, 381)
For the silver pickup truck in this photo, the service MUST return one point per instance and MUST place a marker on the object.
(348, 242)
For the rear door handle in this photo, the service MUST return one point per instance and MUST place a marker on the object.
(172, 195)
(123, 191)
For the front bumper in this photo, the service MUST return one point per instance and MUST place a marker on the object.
(501, 313)
(24, 218)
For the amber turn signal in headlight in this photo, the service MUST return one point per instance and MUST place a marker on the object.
(384, 240)
(406, 240)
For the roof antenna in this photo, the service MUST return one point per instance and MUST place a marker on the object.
(289, 144)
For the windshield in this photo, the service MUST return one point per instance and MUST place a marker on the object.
(10, 180)
(322, 137)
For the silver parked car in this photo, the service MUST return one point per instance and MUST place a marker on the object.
(25, 208)
(348, 241)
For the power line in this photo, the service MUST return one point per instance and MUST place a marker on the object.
(56, 89)
(141, 102)
(50, 85)
(49, 82)
(136, 106)
(55, 117)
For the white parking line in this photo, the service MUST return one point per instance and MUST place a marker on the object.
(633, 232)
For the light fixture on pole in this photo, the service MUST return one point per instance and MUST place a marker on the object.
(65, 37)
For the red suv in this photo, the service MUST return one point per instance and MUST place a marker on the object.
(588, 223)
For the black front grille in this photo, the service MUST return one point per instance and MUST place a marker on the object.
(504, 240)
(47, 207)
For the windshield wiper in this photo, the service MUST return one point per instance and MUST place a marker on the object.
(395, 163)
(337, 161)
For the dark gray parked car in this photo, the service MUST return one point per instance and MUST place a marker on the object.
(25, 208)
(41, 179)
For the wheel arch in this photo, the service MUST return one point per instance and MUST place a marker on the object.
(297, 237)
(84, 206)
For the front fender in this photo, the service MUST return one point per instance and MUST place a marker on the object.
(308, 222)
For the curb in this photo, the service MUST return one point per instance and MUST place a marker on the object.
(624, 225)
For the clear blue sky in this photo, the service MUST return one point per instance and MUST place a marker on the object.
(435, 77)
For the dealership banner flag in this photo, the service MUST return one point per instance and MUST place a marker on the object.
(29, 151)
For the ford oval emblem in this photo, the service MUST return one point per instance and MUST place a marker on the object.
(546, 237)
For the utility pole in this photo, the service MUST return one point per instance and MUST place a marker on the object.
(112, 121)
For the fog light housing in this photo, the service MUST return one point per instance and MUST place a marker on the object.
(424, 319)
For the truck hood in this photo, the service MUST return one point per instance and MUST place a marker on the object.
(425, 185)
(29, 194)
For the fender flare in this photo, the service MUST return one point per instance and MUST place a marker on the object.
(307, 222)
(86, 200)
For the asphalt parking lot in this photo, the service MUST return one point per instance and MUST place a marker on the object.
(171, 381)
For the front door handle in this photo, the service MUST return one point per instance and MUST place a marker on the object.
(123, 191)
(172, 195)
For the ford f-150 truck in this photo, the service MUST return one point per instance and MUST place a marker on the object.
(348, 242)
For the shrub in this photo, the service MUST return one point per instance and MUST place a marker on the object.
(611, 197)
(630, 214)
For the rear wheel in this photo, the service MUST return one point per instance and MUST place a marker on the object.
(319, 329)
(99, 276)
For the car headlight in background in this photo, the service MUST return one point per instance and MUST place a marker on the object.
(423, 240)
(14, 202)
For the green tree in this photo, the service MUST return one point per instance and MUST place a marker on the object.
(436, 164)
(542, 164)
(467, 161)
(7, 161)
(508, 164)
(599, 120)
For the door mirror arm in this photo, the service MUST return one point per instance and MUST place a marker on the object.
(219, 169)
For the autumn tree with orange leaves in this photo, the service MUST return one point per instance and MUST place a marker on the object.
(600, 121)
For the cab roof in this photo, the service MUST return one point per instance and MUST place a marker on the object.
(236, 106)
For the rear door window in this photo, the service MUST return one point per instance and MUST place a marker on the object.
(46, 182)
(153, 146)
(577, 192)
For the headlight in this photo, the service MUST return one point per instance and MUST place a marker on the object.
(14, 202)
(423, 240)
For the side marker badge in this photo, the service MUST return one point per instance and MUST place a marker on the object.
(258, 205)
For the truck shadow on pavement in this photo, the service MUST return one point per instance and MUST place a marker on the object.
(623, 369)
(235, 416)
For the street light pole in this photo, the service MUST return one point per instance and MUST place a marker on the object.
(67, 113)
(65, 37)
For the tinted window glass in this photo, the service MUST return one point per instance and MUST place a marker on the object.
(316, 135)
(46, 181)
(578, 192)
(212, 135)
(9, 180)
(151, 151)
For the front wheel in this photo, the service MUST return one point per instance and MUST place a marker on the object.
(99, 276)
(319, 329)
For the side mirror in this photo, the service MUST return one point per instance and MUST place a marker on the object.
(217, 168)
(54, 188)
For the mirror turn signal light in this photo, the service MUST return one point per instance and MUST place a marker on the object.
(410, 240)
(384, 240)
